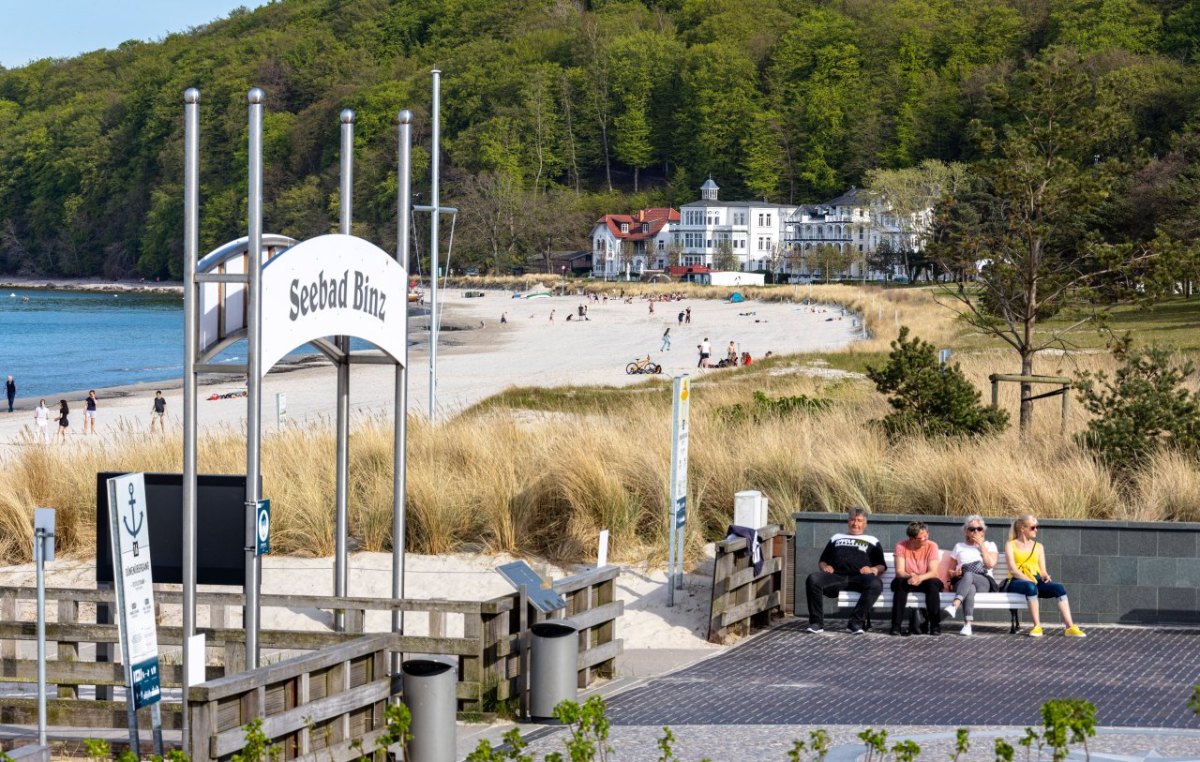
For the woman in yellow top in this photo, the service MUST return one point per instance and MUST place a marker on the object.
(1027, 575)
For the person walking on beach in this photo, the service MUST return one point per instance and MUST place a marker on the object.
(158, 412)
(41, 416)
(89, 414)
(687, 316)
(666, 342)
(63, 423)
(705, 351)
(651, 306)
(552, 317)
(10, 388)
(681, 317)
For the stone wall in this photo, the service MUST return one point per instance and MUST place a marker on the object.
(1114, 571)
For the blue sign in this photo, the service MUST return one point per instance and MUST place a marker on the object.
(680, 511)
(144, 676)
(262, 528)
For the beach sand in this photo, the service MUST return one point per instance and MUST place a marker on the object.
(478, 357)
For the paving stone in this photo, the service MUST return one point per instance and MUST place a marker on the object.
(1134, 676)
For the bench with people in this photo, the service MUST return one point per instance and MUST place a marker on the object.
(944, 585)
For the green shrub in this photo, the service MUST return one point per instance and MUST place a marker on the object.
(1143, 408)
(765, 407)
(930, 399)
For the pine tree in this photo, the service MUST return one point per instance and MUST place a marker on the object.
(930, 399)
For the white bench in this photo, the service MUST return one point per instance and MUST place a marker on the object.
(1014, 603)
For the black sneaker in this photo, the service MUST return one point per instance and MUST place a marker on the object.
(856, 630)
(816, 629)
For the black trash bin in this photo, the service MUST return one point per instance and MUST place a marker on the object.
(429, 693)
(553, 667)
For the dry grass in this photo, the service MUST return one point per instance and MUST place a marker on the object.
(503, 478)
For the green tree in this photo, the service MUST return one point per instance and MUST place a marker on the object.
(1143, 408)
(1047, 176)
(929, 399)
(828, 260)
(908, 196)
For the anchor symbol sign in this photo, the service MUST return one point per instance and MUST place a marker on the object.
(138, 520)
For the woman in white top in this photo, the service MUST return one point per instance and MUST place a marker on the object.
(41, 416)
(971, 569)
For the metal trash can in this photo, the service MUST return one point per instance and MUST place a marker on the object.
(428, 688)
(553, 667)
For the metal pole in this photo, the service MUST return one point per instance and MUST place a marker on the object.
(345, 208)
(191, 241)
(253, 377)
(435, 202)
(39, 560)
(400, 425)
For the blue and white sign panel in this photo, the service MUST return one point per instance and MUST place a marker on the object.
(135, 588)
(333, 285)
(679, 448)
(262, 528)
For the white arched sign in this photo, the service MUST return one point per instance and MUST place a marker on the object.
(333, 285)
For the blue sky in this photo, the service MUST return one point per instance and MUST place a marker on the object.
(33, 29)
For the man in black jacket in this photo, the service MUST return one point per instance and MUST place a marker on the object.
(850, 561)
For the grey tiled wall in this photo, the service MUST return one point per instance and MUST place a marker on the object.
(1114, 571)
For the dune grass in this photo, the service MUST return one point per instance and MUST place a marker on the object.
(542, 471)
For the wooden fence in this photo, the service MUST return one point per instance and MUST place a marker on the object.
(490, 651)
(741, 599)
(327, 705)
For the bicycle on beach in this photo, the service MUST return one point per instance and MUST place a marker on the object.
(642, 366)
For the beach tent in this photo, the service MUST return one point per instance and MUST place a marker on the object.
(736, 298)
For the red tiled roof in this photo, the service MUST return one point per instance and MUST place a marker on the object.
(654, 219)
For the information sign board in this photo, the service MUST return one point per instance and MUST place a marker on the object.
(539, 591)
(262, 528)
(134, 586)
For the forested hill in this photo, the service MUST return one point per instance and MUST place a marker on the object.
(553, 112)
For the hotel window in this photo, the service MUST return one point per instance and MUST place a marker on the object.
(624, 227)
(768, 220)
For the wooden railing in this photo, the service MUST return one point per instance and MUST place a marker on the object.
(327, 705)
(490, 651)
(741, 599)
(592, 608)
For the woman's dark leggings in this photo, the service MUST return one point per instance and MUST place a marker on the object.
(900, 590)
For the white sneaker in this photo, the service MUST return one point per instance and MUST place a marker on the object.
(951, 611)
(966, 630)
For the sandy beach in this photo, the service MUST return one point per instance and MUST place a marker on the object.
(479, 356)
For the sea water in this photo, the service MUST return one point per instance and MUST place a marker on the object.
(53, 342)
(59, 341)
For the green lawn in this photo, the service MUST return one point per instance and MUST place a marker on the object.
(1175, 323)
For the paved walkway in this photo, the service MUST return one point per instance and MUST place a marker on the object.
(754, 700)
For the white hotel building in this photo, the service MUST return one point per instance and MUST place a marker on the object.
(756, 232)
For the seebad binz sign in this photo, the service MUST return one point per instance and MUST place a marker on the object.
(135, 587)
(332, 285)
